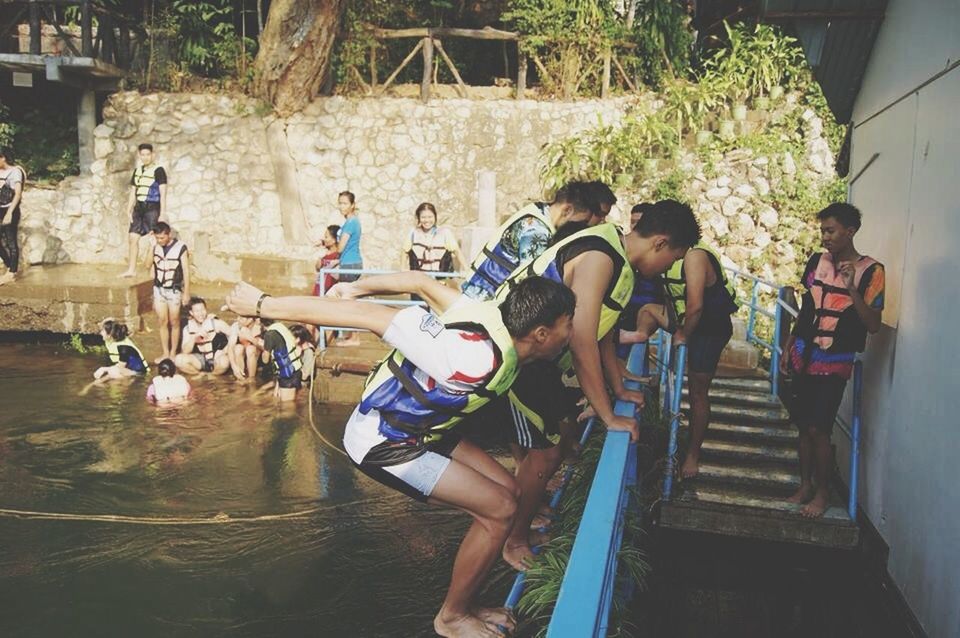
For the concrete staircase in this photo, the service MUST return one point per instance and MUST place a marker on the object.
(749, 466)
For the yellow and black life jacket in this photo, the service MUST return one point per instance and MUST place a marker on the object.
(494, 263)
(604, 238)
(288, 358)
(831, 299)
(721, 299)
(168, 266)
(145, 181)
(132, 360)
(409, 411)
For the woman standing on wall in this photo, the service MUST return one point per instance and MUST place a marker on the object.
(12, 178)
(348, 245)
(429, 247)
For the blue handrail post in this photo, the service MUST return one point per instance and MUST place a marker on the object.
(855, 440)
(775, 341)
(751, 320)
(674, 422)
(663, 354)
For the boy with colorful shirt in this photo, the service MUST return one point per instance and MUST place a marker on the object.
(842, 303)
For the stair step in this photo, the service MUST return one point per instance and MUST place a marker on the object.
(743, 513)
(835, 513)
(745, 414)
(741, 383)
(748, 451)
(740, 397)
(775, 476)
(726, 431)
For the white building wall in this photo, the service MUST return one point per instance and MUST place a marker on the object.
(910, 198)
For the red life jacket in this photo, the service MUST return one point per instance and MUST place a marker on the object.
(830, 296)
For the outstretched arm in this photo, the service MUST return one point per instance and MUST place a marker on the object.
(437, 295)
(336, 313)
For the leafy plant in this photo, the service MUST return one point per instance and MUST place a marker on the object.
(7, 128)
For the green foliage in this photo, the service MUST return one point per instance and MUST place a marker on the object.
(672, 187)
(756, 59)
(45, 143)
(207, 37)
(613, 154)
(7, 128)
(77, 345)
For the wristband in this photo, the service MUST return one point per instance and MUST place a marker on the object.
(260, 303)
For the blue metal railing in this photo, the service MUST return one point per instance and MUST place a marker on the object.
(674, 413)
(855, 440)
(586, 594)
(776, 314)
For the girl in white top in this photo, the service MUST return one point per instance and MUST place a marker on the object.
(168, 387)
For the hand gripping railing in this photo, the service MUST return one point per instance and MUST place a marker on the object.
(586, 593)
(321, 277)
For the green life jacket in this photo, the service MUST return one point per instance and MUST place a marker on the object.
(408, 411)
(494, 264)
(113, 352)
(289, 362)
(676, 287)
(604, 238)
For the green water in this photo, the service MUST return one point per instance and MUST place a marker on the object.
(368, 562)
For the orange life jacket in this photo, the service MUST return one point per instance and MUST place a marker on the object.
(830, 296)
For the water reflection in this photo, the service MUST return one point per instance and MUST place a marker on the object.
(365, 562)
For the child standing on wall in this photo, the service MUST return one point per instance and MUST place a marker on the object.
(842, 303)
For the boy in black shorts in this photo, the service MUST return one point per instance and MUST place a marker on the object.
(842, 303)
(701, 299)
(148, 202)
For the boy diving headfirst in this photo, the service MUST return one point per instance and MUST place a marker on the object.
(443, 368)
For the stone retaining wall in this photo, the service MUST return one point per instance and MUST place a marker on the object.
(264, 186)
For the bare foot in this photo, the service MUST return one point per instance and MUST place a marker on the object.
(540, 521)
(465, 626)
(162, 357)
(588, 413)
(7, 277)
(627, 336)
(499, 616)
(804, 494)
(691, 467)
(519, 555)
(348, 342)
(126, 274)
(816, 507)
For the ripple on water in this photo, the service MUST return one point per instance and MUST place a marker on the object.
(365, 561)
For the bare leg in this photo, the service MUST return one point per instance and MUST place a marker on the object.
(221, 363)
(822, 462)
(475, 483)
(699, 383)
(174, 310)
(163, 324)
(532, 476)
(250, 353)
(187, 363)
(805, 449)
(132, 250)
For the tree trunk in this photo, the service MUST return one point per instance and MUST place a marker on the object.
(295, 51)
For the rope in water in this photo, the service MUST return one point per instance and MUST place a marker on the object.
(220, 518)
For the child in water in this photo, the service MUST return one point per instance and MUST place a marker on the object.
(125, 357)
(168, 387)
